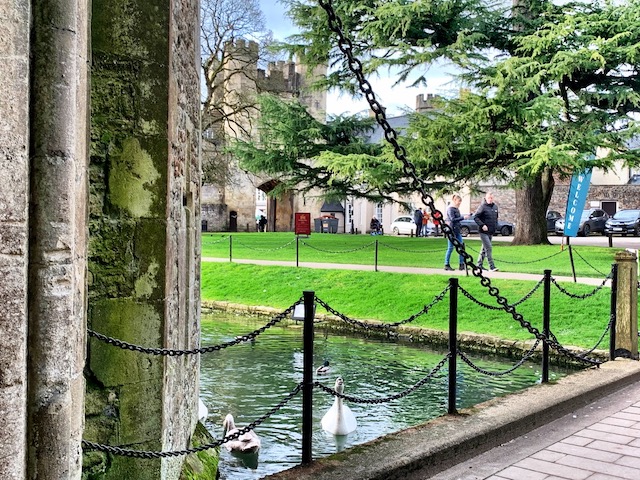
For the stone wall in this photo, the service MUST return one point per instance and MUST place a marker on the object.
(144, 231)
(14, 225)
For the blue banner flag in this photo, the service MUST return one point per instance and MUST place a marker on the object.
(575, 203)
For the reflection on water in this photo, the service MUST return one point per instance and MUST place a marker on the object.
(249, 379)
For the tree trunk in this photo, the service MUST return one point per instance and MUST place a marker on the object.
(532, 201)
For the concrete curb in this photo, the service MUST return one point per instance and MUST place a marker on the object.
(452, 439)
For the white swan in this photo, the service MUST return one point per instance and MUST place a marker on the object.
(339, 419)
(246, 443)
(203, 411)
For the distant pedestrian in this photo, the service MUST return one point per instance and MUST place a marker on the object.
(417, 219)
(486, 217)
(453, 219)
(425, 222)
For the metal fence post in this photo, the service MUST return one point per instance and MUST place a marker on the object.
(453, 344)
(230, 248)
(546, 329)
(307, 377)
(297, 250)
(613, 310)
(376, 257)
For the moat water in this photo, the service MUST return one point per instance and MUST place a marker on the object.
(248, 379)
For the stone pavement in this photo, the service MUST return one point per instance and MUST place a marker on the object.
(599, 441)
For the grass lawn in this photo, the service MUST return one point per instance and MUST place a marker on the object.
(392, 297)
(404, 251)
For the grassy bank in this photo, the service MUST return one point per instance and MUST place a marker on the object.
(404, 251)
(393, 297)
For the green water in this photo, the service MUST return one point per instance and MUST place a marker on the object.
(248, 379)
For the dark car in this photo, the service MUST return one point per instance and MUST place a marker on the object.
(552, 218)
(623, 222)
(591, 221)
(469, 225)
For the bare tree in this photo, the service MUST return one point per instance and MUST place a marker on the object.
(234, 42)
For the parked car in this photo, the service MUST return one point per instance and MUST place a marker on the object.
(552, 218)
(591, 221)
(623, 222)
(469, 225)
(403, 225)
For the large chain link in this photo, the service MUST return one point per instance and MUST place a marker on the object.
(125, 452)
(195, 351)
(390, 398)
(384, 326)
(346, 47)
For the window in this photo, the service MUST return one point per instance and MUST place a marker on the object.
(379, 212)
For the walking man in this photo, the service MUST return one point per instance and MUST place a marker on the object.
(486, 217)
(417, 219)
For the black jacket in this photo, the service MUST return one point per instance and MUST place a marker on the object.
(487, 214)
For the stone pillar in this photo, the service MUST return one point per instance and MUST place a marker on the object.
(58, 225)
(144, 232)
(627, 305)
(14, 208)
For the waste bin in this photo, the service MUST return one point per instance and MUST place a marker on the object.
(329, 225)
(317, 225)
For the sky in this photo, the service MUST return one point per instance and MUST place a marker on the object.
(396, 99)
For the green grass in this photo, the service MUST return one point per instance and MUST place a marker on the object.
(392, 297)
(405, 251)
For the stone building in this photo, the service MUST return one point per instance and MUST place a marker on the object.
(99, 220)
(233, 205)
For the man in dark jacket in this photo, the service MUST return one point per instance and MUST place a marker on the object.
(486, 217)
(417, 219)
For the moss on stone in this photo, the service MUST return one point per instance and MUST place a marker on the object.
(131, 179)
(201, 465)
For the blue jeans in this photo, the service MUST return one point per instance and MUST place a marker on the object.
(486, 250)
(450, 247)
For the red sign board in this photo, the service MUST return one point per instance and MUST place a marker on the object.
(303, 223)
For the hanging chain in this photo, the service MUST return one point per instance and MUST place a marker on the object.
(195, 351)
(404, 393)
(391, 136)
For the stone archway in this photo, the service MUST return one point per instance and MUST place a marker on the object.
(279, 209)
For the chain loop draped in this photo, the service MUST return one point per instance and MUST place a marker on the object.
(195, 351)
(384, 326)
(390, 398)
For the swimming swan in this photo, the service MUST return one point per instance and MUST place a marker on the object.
(246, 443)
(339, 419)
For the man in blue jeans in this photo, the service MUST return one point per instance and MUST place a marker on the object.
(486, 217)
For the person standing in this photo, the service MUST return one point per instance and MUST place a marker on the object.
(417, 219)
(453, 219)
(425, 222)
(486, 217)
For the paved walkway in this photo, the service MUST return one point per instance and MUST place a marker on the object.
(422, 271)
(599, 441)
